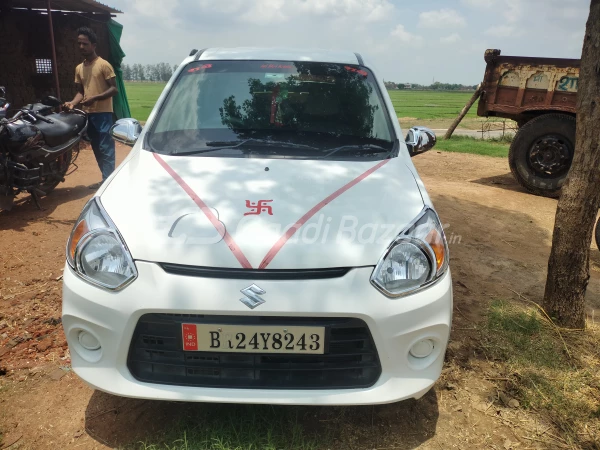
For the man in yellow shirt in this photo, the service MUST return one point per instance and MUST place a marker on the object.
(96, 86)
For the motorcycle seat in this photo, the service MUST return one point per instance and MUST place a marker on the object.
(65, 126)
(39, 108)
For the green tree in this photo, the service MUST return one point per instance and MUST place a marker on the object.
(126, 71)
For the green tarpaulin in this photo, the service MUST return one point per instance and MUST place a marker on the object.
(120, 104)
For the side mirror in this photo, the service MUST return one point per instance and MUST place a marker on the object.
(419, 140)
(51, 101)
(126, 131)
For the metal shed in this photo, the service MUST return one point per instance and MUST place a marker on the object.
(39, 50)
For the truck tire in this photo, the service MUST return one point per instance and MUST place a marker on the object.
(541, 153)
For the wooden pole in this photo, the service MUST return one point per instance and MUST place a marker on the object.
(463, 113)
(53, 44)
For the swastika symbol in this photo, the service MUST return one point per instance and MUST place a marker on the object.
(259, 207)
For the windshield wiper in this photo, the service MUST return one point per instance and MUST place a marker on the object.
(359, 147)
(236, 144)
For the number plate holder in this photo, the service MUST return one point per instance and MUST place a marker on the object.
(239, 339)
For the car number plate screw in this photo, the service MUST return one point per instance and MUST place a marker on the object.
(219, 329)
(285, 330)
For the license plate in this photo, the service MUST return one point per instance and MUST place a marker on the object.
(253, 338)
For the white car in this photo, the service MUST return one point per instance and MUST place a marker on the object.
(267, 240)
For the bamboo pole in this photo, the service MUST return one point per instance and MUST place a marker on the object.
(463, 113)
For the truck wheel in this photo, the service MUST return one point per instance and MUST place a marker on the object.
(541, 153)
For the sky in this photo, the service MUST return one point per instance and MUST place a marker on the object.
(406, 41)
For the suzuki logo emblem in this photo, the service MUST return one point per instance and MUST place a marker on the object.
(252, 296)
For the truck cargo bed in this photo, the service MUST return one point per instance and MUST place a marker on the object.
(517, 87)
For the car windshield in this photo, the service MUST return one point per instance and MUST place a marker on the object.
(268, 109)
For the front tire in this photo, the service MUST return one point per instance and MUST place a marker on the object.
(542, 152)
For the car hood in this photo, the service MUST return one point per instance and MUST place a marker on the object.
(260, 213)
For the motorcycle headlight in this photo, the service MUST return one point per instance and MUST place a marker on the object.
(96, 250)
(416, 258)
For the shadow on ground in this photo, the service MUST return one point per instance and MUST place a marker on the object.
(506, 181)
(117, 422)
(25, 211)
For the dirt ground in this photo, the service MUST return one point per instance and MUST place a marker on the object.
(499, 242)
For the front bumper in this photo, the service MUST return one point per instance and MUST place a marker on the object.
(395, 325)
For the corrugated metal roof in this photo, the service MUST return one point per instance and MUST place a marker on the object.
(88, 6)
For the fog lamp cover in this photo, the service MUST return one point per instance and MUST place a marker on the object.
(88, 341)
(422, 348)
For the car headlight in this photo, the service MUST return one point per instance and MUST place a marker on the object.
(417, 257)
(96, 250)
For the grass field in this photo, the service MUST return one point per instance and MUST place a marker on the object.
(430, 104)
(427, 108)
(142, 97)
(466, 144)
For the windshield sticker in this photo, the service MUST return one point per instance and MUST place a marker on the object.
(275, 76)
(276, 66)
(306, 77)
(355, 70)
(202, 67)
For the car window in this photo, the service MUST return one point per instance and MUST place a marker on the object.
(269, 109)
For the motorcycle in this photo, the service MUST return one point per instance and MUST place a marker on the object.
(3, 102)
(37, 147)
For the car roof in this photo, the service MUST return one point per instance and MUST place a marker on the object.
(281, 54)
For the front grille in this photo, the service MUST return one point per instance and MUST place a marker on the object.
(255, 274)
(350, 359)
